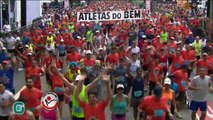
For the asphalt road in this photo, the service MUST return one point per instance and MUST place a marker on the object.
(19, 83)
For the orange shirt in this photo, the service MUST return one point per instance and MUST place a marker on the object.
(154, 108)
(169, 95)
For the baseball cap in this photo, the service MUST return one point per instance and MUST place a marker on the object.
(29, 53)
(172, 38)
(158, 91)
(167, 81)
(101, 49)
(158, 36)
(143, 36)
(26, 46)
(88, 52)
(5, 62)
(61, 40)
(78, 77)
(205, 54)
(3, 48)
(79, 37)
(120, 86)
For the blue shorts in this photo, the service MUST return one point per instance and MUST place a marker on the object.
(195, 105)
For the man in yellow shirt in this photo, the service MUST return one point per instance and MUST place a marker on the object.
(197, 45)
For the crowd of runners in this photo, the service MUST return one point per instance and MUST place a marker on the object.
(158, 65)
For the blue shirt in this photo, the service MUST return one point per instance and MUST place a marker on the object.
(189, 40)
(7, 76)
(61, 49)
(140, 34)
(3, 56)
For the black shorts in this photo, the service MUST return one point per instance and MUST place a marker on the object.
(11, 51)
(182, 96)
(61, 98)
(75, 118)
(152, 85)
(61, 55)
(4, 117)
(70, 104)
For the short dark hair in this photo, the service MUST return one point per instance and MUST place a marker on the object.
(92, 93)
(2, 82)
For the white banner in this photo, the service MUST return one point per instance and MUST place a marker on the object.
(109, 15)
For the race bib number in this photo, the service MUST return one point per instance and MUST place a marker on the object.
(186, 62)
(183, 83)
(159, 113)
(163, 64)
(32, 109)
(58, 89)
(169, 102)
(77, 109)
(177, 65)
(137, 93)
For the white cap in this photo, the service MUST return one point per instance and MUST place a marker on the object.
(158, 36)
(79, 37)
(61, 40)
(88, 52)
(78, 77)
(101, 49)
(26, 46)
(172, 38)
(190, 33)
(3, 48)
(18, 38)
(143, 36)
(82, 24)
(29, 53)
(167, 81)
(120, 86)
(179, 30)
(97, 31)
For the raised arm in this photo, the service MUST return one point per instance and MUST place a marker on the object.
(65, 81)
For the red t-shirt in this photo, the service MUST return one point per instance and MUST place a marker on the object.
(89, 62)
(154, 108)
(156, 69)
(57, 84)
(74, 57)
(96, 111)
(32, 98)
(36, 71)
(181, 78)
(203, 63)
(177, 63)
(113, 58)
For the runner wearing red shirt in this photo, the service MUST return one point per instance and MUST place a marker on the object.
(73, 56)
(155, 74)
(181, 79)
(57, 86)
(177, 61)
(31, 96)
(35, 72)
(155, 106)
(204, 62)
(92, 109)
(113, 57)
